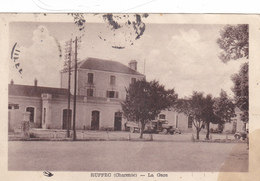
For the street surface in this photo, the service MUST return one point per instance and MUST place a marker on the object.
(135, 156)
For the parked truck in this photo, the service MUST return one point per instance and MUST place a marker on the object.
(154, 126)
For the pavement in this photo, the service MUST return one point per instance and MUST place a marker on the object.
(91, 135)
(127, 156)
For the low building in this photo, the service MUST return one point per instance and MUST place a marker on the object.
(236, 124)
(26, 98)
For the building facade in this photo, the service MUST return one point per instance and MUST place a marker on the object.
(100, 88)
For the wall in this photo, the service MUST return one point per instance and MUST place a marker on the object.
(17, 114)
(101, 81)
(182, 122)
(84, 110)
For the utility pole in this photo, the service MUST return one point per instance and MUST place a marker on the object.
(69, 75)
(75, 91)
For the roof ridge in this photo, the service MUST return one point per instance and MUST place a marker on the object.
(37, 86)
(113, 66)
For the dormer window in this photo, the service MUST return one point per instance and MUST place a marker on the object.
(90, 78)
(112, 80)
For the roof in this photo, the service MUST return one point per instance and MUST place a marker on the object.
(106, 65)
(35, 91)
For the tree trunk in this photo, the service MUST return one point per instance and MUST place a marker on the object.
(207, 135)
(198, 133)
(142, 130)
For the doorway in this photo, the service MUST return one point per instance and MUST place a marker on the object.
(65, 118)
(31, 111)
(118, 121)
(95, 120)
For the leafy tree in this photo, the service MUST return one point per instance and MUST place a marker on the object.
(234, 42)
(240, 90)
(208, 113)
(194, 107)
(224, 107)
(201, 109)
(145, 100)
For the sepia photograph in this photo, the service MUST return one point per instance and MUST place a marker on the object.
(128, 95)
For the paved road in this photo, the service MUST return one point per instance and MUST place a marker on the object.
(127, 156)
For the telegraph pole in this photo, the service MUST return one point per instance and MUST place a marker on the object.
(75, 91)
(69, 74)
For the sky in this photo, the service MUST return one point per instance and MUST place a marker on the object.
(179, 56)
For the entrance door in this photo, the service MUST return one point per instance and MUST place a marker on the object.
(95, 120)
(118, 121)
(31, 111)
(65, 119)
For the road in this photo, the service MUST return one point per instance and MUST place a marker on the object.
(135, 156)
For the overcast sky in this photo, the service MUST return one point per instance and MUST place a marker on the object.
(180, 56)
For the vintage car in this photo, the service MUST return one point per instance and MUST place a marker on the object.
(154, 126)
(238, 135)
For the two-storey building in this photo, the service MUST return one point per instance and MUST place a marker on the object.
(100, 88)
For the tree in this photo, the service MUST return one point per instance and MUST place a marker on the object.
(194, 107)
(224, 107)
(145, 100)
(240, 90)
(208, 113)
(234, 42)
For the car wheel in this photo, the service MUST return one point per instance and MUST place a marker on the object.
(132, 130)
(165, 131)
(237, 137)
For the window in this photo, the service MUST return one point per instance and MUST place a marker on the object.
(133, 80)
(112, 94)
(162, 116)
(90, 92)
(113, 80)
(190, 122)
(90, 78)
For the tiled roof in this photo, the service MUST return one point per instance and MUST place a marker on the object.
(106, 65)
(35, 91)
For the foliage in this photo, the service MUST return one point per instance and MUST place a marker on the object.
(240, 90)
(208, 113)
(234, 42)
(205, 110)
(224, 107)
(198, 107)
(145, 100)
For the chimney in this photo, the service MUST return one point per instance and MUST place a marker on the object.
(35, 82)
(12, 82)
(133, 64)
